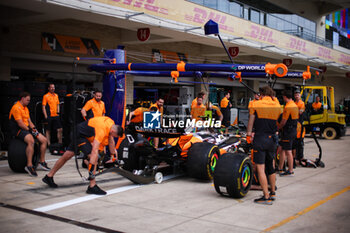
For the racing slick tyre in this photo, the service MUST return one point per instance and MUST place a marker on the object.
(329, 133)
(17, 158)
(202, 159)
(133, 150)
(233, 175)
(126, 152)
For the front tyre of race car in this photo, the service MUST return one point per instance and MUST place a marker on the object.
(202, 160)
(233, 175)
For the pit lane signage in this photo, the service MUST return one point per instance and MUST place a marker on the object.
(163, 56)
(234, 51)
(288, 62)
(143, 34)
(69, 44)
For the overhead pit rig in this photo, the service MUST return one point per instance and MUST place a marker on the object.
(115, 68)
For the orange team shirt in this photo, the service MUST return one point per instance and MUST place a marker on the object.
(224, 102)
(316, 106)
(159, 109)
(251, 103)
(98, 108)
(19, 112)
(267, 111)
(290, 110)
(138, 115)
(198, 111)
(53, 101)
(194, 103)
(103, 144)
(301, 105)
(218, 112)
(102, 126)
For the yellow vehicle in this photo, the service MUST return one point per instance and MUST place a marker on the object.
(324, 120)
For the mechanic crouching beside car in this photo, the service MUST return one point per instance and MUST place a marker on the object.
(263, 115)
(90, 135)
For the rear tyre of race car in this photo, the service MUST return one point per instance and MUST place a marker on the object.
(133, 150)
(17, 157)
(233, 175)
(202, 159)
(126, 152)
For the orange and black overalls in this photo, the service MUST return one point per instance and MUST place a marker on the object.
(96, 128)
(298, 144)
(225, 109)
(51, 103)
(18, 112)
(216, 112)
(160, 109)
(138, 115)
(94, 108)
(194, 103)
(289, 130)
(266, 112)
(197, 112)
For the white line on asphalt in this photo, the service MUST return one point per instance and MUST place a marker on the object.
(91, 197)
(83, 199)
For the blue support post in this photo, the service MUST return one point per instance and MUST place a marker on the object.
(114, 88)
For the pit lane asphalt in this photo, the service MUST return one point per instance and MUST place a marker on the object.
(314, 200)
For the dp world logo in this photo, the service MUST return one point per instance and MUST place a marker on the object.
(151, 120)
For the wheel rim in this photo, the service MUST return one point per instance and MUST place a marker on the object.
(213, 161)
(245, 176)
(329, 133)
(158, 177)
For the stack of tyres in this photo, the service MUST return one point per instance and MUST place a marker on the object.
(233, 175)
